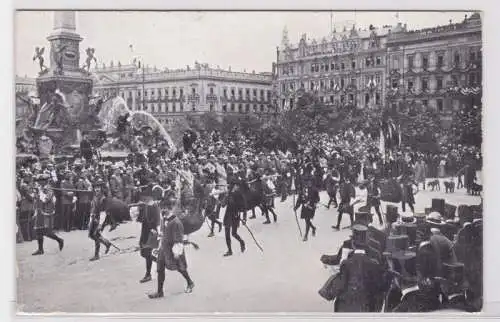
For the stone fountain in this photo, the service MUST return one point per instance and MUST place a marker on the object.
(64, 89)
(65, 109)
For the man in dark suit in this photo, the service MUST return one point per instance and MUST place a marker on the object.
(347, 193)
(362, 281)
(331, 185)
(149, 217)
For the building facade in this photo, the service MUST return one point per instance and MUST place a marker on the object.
(170, 94)
(347, 68)
(24, 86)
(392, 66)
(437, 68)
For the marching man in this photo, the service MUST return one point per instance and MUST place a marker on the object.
(171, 254)
(45, 206)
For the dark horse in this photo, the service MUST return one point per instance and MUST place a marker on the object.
(117, 211)
(247, 196)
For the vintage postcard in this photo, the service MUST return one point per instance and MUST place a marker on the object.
(198, 162)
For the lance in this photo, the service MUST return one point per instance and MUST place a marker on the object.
(295, 212)
(70, 190)
(251, 234)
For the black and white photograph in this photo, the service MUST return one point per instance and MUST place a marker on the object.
(200, 162)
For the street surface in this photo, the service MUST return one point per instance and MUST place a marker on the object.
(286, 277)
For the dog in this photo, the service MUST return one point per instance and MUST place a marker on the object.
(434, 185)
(476, 189)
(449, 186)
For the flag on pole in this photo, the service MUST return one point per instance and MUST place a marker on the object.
(399, 135)
(382, 144)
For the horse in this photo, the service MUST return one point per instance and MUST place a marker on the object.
(192, 196)
(249, 195)
(117, 211)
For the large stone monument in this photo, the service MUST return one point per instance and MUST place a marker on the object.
(64, 88)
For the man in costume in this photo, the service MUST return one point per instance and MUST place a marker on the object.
(149, 217)
(331, 184)
(231, 219)
(95, 231)
(171, 254)
(44, 214)
(308, 199)
(373, 198)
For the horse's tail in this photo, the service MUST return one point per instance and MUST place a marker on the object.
(188, 242)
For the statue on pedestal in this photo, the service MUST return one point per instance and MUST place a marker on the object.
(39, 55)
(58, 55)
(90, 57)
(53, 114)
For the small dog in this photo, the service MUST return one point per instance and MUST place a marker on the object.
(449, 186)
(434, 185)
(476, 189)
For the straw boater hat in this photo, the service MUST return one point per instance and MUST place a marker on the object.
(435, 218)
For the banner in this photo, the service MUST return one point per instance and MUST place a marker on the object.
(381, 146)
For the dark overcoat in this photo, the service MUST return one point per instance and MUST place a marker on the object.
(362, 282)
(173, 233)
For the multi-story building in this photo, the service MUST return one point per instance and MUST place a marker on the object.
(347, 68)
(24, 86)
(438, 68)
(170, 94)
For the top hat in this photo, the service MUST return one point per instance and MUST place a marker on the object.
(419, 217)
(359, 234)
(391, 214)
(464, 214)
(363, 218)
(438, 205)
(449, 211)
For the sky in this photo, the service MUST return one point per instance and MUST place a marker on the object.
(240, 40)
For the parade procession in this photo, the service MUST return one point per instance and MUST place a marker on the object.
(309, 206)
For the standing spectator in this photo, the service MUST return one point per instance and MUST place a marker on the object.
(67, 201)
(420, 172)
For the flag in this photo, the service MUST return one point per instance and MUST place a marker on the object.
(131, 47)
(382, 143)
(399, 135)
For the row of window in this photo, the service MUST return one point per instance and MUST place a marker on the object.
(246, 108)
(474, 55)
(330, 83)
(439, 104)
(166, 108)
(333, 66)
(342, 99)
(471, 80)
(159, 92)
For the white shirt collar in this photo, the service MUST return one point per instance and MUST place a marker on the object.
(359, 251)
